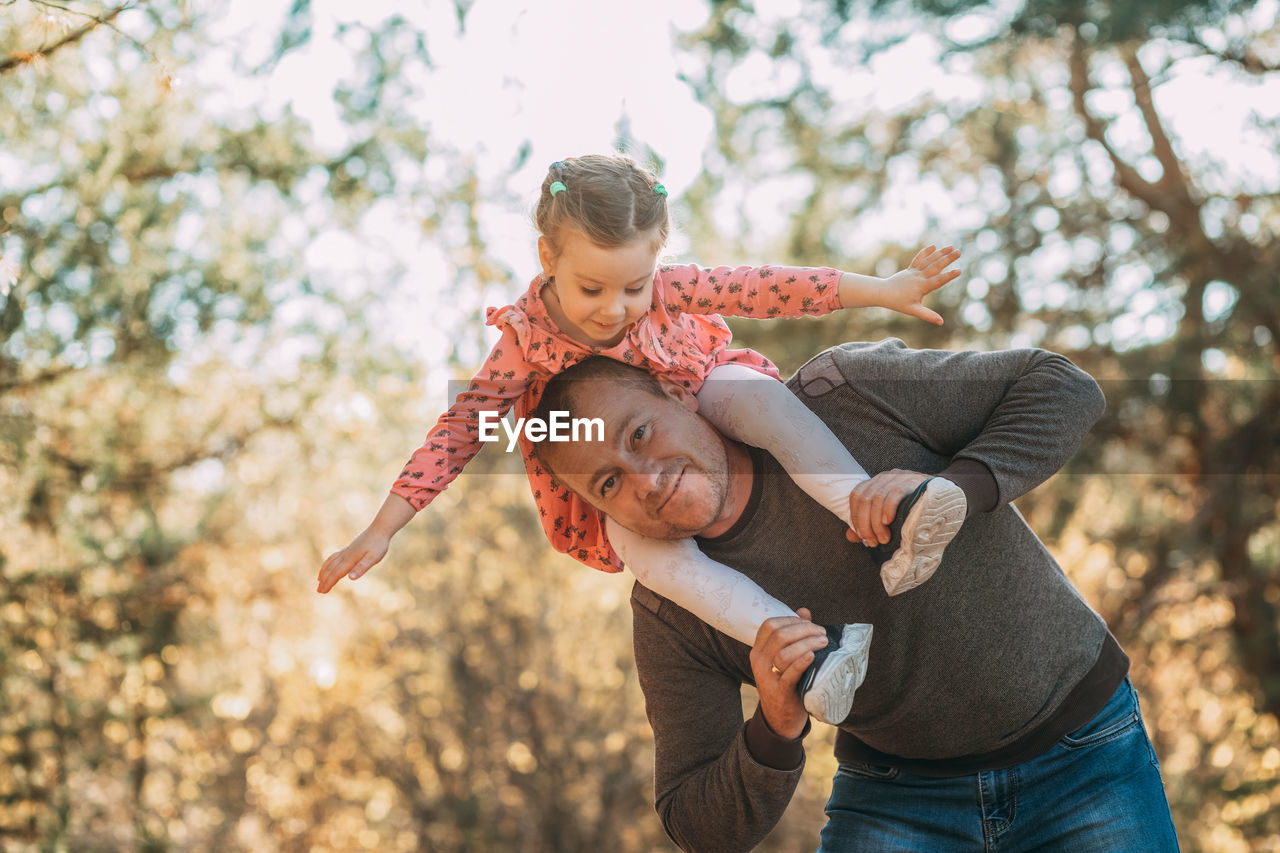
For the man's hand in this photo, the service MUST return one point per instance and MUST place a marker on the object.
(873, 503)
(782, 652)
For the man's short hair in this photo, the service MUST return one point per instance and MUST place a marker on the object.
(596, 375)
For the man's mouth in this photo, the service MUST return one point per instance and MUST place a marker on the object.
(670, 493)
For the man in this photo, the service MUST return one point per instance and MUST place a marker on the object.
(996, 708)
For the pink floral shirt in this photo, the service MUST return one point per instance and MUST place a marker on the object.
(681, 338)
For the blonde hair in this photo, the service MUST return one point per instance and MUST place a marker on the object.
(610, 198)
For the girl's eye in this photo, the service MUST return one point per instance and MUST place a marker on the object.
(588, 292)
(636, 291)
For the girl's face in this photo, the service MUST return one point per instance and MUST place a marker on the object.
(599, 292)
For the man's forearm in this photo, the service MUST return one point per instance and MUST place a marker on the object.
(729, 805)
(772, 749)
(711, 793)
(1037, 426)
(1019, 413)
(981, 492)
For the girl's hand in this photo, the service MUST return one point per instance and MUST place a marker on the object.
(354, 560)
(904, 291)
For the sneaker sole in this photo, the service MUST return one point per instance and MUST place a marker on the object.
(926, 531)
(830, 697)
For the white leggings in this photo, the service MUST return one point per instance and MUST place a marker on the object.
(754, 409)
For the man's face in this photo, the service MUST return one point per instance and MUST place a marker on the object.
(661, 471)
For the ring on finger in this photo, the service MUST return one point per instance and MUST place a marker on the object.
(775, 670)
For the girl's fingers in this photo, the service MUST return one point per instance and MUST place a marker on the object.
(943, 259)
(333, 569)
(939, 279)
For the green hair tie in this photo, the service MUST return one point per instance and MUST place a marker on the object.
(659, 189)
(556, 188)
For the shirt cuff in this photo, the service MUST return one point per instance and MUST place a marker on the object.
(771, 749)
(976, 481)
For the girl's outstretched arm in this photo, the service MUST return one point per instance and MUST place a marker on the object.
(772, 291)
(450, 445)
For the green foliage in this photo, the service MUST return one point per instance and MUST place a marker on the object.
(185, 425)
(194, 410)
(1108, 22)
(1087, 226)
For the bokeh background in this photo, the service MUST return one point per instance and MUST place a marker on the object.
(245, 246)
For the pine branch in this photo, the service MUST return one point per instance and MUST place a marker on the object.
(1174, 176)
(1126, 175)
(44, 377)
(1244, 58)
(14, 60)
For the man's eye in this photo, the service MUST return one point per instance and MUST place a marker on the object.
(607, 485)
(639, 434)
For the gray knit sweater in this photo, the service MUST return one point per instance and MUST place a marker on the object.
(981, 655)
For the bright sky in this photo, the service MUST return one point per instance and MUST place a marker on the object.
(555, 74)
(559, 74)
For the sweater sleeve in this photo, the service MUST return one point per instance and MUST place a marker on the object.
(711, 794)
(455, 438)
(1020, 413)
(759, 292)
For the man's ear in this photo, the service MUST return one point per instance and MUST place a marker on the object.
(680, 394)
(546, 257)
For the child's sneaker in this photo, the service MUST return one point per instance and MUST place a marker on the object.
(836, 672)
(925, 523)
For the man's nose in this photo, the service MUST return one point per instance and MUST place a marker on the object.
(650, 481)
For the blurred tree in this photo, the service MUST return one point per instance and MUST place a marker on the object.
(1056, 145)
(141, 238)
(186, 425)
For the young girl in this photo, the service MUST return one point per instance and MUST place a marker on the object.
(603, 221)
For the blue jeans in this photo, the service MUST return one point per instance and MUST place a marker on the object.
(1097, 789)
